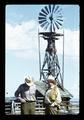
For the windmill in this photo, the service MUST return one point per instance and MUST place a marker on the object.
(51, 19)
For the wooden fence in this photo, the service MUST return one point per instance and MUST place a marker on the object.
(14, 108)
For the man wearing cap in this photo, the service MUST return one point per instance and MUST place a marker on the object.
(26, 94)
(52, 97)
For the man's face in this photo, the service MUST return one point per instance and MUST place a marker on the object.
(50, 84)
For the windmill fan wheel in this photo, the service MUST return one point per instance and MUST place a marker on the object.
(51, 17)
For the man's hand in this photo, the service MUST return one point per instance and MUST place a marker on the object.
(21, 99)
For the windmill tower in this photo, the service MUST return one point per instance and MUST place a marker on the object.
(51, 18)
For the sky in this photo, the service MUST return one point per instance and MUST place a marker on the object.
(21, 42)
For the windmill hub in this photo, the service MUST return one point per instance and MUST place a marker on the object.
(51, 18)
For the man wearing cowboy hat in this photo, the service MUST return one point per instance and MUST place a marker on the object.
(26, 94)
(52, 97)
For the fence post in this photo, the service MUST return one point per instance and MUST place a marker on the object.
(13, 107)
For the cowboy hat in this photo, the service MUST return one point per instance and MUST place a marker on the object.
(29, 80)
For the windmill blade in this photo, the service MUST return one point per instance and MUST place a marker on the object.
(56, 9)
(56, 25)
(59, 10)
(60, 20)
(43, 24)
(46, 9)
(44, 12)
(53, 8)
(50, 8)
(53, 27)
(59, 23)
(42, 21)
(47, 25)
(41, 18)
(41, 14)
(59, 16)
